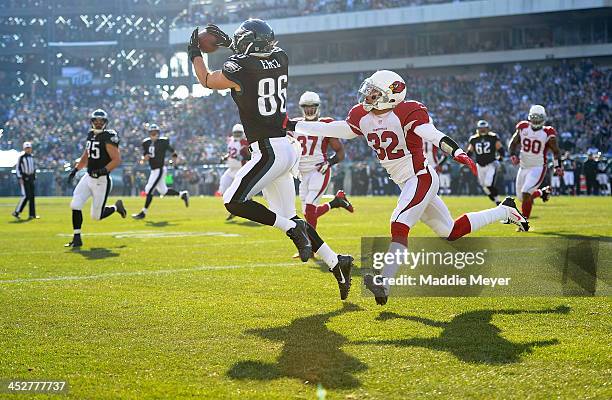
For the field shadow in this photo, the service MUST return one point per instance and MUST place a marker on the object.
(572, 235)
(159, 224)
(471, 337)
(244, 222)
(96, 253)
(321, 266)
(311, 353)
(20, 221)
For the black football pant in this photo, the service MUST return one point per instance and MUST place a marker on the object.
(27, 196)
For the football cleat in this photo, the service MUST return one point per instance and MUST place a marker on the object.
(299, 236)
(230, 217)
(140, 215)
(513, 215)
(343, 201)
(185, 197)
(545, 193)
(120, 208)
(34, 217)
(76, 242)
(342, 272)
(380, 295)
(15, 214)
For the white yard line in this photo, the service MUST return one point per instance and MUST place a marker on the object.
(141, 273)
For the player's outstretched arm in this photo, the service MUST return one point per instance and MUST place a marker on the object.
(212, 80)
(430, 133)
(334, 129)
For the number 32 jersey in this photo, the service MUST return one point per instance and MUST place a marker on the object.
(392, 137)
(534, 144)
(262, 99)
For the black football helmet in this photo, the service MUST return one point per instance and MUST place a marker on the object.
(253, 36)
(98, 114)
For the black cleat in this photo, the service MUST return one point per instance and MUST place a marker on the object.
(15, 214)
(342, 272)
(513, 215)
(185, 197)
(34, 217)
(120, 208)
(230, 217)
(545, 194)
(76, 242)
(140, 215)
(299, 236)
(378, 290)
(341, 201)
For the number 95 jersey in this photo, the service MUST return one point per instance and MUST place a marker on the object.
(262, 99)
(534, 144)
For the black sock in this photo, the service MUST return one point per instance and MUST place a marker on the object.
(77, 219)
(172, 192)
(148, 200)
(252, 211)
(107, 211)
(315, 240)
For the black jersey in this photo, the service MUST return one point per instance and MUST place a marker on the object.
(97, 156)
(262, 99)
(484, 147)
(568, 164)
(157, 151)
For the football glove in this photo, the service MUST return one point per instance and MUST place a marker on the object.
(290, 125)
(223, 40)
(463, 158)
(559, 171)
(96, 173)
(323, 167)
(193, 49)
(515, 160)
(72, 174)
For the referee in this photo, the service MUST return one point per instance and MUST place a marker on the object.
(26, 173)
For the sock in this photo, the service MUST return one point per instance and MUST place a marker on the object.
(390, 269)
(283, 223)
(327, 255)
(335, 203)
(536, 194)
(148, 201)
(310, 214)
(253, 211)
(323, 209)
(399, 233)
(108, 211)
(77, 221)
(144, 210)
(171, 192)
(526, 207)
(473, 221)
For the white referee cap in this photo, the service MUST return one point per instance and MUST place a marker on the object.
(27, 144)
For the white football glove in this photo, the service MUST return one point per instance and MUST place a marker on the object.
(323, 167)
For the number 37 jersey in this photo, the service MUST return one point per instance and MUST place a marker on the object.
(262, 99)
(314, 148)
(392, 137)
(534, 144)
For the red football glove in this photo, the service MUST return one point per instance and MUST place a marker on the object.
(515, 160)
(559, 171)
(464, 159)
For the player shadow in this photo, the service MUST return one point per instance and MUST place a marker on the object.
(471, 337)
(571, 235)
(311, 353)
(20, 221)
(244, 222)
(158, 224)
(321, 266)
(96, 253)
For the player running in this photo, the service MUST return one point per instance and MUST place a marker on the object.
(257, 74)
(534, 140)
(314, 165)
(395, 129)
(485, 144)
(101, 156)
(569, 167)
(237, 150)
(154, 151)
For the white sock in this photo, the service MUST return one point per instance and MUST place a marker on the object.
(482, 218)
(328, 255)
(497, 199)
(77, 231)
(283, 223)
(144, 210)
(390, 270)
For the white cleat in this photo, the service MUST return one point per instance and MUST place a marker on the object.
(513, 215)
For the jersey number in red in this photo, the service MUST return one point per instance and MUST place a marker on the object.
(388, 151)
(532, 145)
(304, 142)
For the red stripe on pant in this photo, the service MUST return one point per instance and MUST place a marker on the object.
(312, 212)
(423, 185)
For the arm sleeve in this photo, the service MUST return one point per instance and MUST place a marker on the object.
(335, 129)
(430, 133)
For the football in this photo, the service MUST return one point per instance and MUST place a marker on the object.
(208, 42)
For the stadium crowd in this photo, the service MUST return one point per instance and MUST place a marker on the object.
(575, 95)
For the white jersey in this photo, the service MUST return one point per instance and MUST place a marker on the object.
(392, 137)
(431, 153)
(233, 150)
(534, 144)
(314, 149)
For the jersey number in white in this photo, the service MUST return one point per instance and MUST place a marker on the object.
(152, 150)
(93, 148)
(482, 147)
(268, 91)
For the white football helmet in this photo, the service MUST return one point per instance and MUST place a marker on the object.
(238, 131)
(312, 101)
(381, 91)
(537, 116)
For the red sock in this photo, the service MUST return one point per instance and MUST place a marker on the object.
(399, 233)
(310, 213)
(536, 194)
(461, 228)
(526, 207)
(322, 209)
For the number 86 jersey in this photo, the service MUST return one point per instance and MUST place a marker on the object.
(534, 144)
(392, 137)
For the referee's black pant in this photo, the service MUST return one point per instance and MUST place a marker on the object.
(27, 196)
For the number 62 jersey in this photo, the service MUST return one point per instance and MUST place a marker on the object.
(534, 144)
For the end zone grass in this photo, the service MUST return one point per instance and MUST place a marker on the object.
(184, 305)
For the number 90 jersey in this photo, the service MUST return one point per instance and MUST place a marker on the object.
(392, 137)
(97, 156)
(534, 144)
(262, 99)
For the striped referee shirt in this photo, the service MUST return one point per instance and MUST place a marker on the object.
(25, 165)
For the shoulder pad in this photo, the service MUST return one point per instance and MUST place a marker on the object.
(550, 131)
(326, 119)
(297, 119)
(522, 125)
(164, 137)
(145, 140)
(492, 134)
(111, 132)
(411, 106)
(474, 136)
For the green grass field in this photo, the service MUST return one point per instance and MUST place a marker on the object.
(184, 305)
